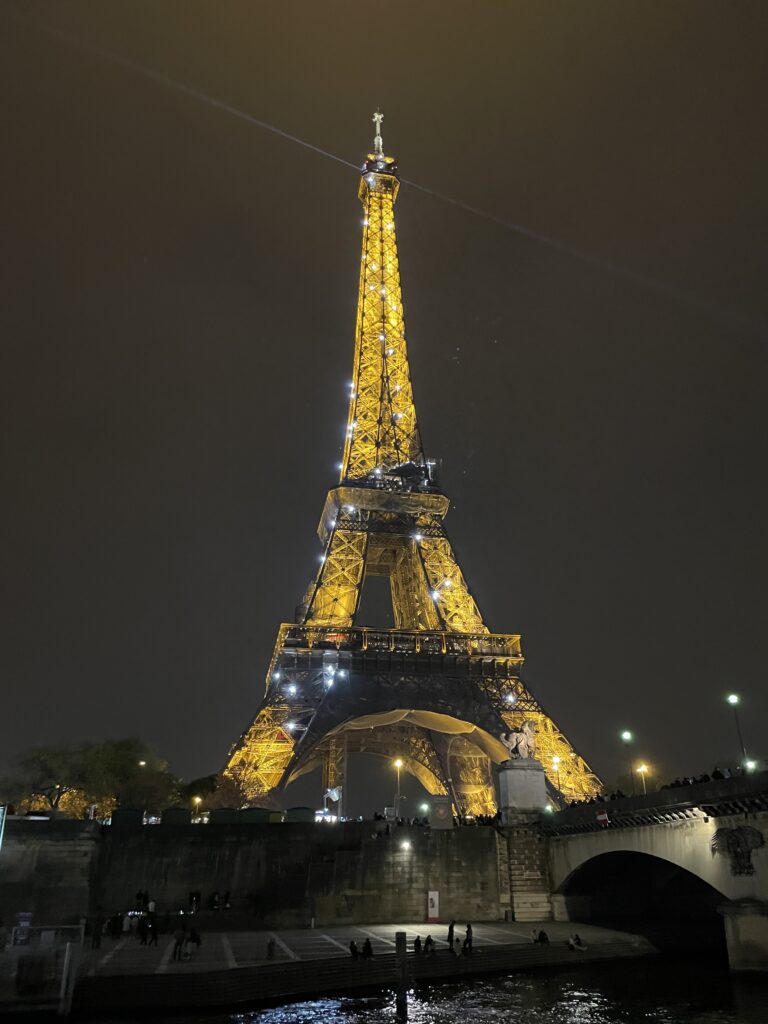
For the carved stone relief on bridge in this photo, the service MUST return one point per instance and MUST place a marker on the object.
(738, 844)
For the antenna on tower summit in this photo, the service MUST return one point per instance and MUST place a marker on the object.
(378, 144)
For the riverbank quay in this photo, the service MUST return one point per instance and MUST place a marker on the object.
(231, 970)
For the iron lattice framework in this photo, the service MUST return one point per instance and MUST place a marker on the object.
(438, 690)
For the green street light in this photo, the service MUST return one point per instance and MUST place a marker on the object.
(627, 737)
(734, 700)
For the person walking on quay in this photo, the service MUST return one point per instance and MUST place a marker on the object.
(451, 927)
(367, 950)
(143, 929)
(354, 951)
(417, 945)
(97, 927)
(178, 943)
(153, 930)
(468, 939)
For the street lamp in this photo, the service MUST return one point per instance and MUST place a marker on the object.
(424, 808)
(642, 771)
(627, 738)
(197, 800)
(556, 766)
(142, 764)
(734, 700)
(398, 764)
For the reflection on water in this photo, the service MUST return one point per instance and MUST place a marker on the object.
(646, 992)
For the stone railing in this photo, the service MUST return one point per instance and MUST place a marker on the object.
(740, 795)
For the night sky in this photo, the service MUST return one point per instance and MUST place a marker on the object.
(177, 303)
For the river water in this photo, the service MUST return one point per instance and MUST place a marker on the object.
(645, 992)
(625, 992)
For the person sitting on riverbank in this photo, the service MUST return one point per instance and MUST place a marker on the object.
(354, 951)
(542, 939)
(575, 943)
(367, 952)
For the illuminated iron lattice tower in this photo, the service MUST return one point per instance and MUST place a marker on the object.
(438, 689)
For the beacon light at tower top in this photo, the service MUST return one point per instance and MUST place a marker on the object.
(439, 690)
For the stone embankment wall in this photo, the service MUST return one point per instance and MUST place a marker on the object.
(47, 868)
(284, 874)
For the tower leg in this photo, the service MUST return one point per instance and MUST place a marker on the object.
(335, 767)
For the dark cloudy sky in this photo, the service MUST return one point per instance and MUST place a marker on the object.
(177, 303)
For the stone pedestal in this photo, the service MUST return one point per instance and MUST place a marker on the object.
(522, 788)
(522, 798)
(746, 933)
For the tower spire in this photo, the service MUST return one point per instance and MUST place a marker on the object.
(382, 430)
(378, 143)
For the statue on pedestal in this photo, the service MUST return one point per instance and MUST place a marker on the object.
(521, 743)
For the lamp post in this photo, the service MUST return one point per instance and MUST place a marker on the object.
(627, 738)
(197, 800)
(734, 700)
(398, 765)
(642, 772)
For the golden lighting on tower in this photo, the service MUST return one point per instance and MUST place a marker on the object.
(385, 518)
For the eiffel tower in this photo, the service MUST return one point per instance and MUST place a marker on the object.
(438, 690)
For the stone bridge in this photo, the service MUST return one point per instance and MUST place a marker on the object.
(683, 858)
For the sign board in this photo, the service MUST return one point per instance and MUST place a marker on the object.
(433, 906)
(441, 812)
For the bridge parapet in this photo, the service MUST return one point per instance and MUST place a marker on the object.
(746, 794)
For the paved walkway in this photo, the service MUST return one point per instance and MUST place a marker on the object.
(221, 950)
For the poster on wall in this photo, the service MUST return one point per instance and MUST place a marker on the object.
(433, 906)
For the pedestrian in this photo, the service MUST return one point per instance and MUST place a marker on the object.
(142, 929)
(126, 924)
(451, 926)
(468, 939)
(354, 951)
(178, 943)
(367, 950)
(417, 945)
(429, 946)
(153, 930)
(97, 927)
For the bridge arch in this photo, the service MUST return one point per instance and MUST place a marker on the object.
(644, 893)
